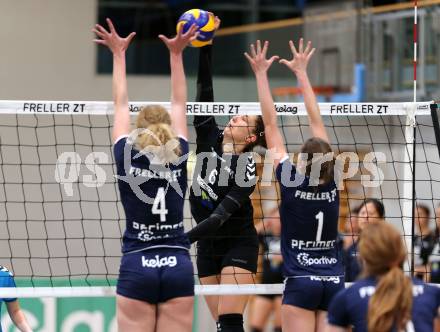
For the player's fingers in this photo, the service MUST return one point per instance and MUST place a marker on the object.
(193, 29)
(253, 53)
(301, 46)
(111, 26)
(164, 39)
(190, 32)
(194, 37)
(273, 58)
(248, 57)
(100, 41)
(101, 29)
(308, 47)
(217, 23)
(180, 30)
(293, 48)
(130, 37)
(98, 33)
(284, 62)
(265, 48)
(311, 53)
(258, 46)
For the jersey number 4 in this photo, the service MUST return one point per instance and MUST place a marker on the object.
(159, 205)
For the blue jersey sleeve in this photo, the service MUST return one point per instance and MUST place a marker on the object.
(118, 151)
(7, 281)
(438, 301)
(285, 171)
(337, 311)
(184, 146)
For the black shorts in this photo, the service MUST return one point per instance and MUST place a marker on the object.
(239, 251)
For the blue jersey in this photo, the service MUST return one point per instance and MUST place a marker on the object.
(153, 196)
(6, 280)
(309, 225)
(350, 306)
(352, 265)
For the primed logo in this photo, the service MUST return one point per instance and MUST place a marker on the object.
(305, 260)
(170, 261)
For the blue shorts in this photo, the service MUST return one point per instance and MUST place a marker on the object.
(311, 293)
(156, 275)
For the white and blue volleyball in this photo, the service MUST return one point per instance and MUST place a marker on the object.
(205, 25)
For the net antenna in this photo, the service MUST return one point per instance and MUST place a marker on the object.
(434, 116)
(411, 131)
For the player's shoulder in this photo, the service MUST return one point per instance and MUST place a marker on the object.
(424, 289)
(362, 288)
(4, 271)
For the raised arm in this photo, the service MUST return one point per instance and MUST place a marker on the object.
(176, 46)
(260, 65)
(118, 46)
(205, 90)
(205, 126)
(298, 65)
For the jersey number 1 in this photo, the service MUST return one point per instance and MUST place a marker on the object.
(159, 204)
(320, 217)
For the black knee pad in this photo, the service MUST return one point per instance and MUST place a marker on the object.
(277, 329)
(230, 323)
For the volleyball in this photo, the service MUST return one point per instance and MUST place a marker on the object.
(205, 25)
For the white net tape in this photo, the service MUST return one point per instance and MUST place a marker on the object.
(216, 109)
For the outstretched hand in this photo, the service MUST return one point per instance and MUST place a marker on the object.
(217, 21)
(258, 60)
(111, 39)
(181, 40)
(301, 57)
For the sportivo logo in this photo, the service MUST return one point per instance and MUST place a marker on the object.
(305, 260)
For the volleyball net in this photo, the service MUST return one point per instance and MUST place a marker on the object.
(61, 220)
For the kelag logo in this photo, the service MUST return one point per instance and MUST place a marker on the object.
(286, 109)
(67, 315)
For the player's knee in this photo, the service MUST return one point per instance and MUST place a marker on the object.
(277, 329)
(230, 323)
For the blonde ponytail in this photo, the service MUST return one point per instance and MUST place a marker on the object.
(156, 134)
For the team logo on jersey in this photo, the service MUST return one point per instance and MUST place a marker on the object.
(305, 260)
(206, 201)
(251, 169)
(313, 245)
(145, 235)
(206, 188)
(170, 261)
